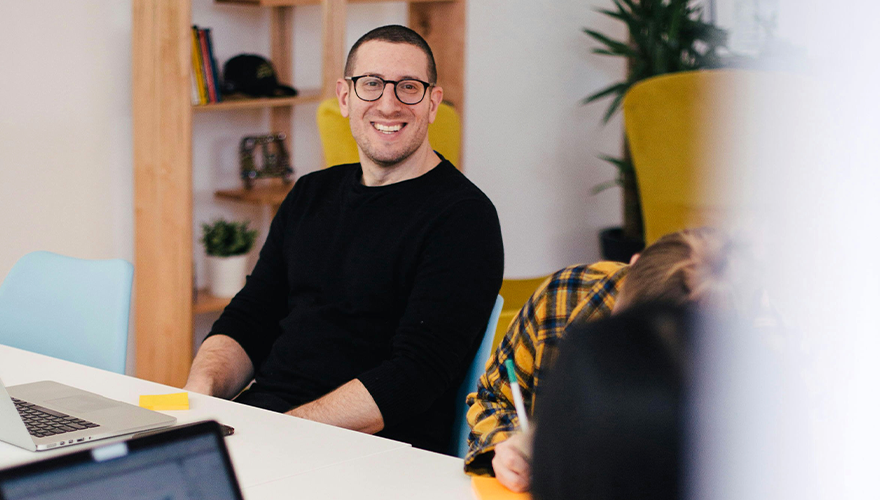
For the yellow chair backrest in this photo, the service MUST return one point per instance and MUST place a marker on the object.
(339, 145)
(687, 139)
(515, 292)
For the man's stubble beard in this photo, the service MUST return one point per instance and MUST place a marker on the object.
(392, 158)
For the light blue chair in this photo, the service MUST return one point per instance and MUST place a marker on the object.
(460, 427)
(68, 308)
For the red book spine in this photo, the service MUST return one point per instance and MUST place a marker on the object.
(213, 63)
(206, 60)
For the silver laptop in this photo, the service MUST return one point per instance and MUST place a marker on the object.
(45, 415)
(189, 461)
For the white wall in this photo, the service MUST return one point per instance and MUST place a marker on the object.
(530, 145)
(65, 129)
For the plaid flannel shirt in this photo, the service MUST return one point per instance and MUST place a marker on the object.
(582, 293)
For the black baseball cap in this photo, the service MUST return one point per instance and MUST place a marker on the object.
(253, 75)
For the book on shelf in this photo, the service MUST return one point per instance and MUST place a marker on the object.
(197, 65)
(215, 75)
(206, 66)
(195, 88)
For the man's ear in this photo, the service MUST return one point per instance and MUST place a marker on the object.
(435, 99)
(342, 95)
(634, 258)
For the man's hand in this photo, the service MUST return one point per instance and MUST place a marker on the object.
(511, 462)
(221, 368)
(199, 386)
(350, 406)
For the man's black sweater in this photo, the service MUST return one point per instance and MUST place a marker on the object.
(392, 285)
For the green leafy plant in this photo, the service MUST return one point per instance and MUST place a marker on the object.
(664, 36)
(226, 239)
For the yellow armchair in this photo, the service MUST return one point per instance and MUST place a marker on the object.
(339, 146)
(515, 292)
(688, 144)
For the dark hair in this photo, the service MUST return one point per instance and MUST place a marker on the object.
(609, 423)
(393, 33)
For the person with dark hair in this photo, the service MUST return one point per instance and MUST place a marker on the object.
(393, 34)
(611, 420)
(690, 266)
(377, 278)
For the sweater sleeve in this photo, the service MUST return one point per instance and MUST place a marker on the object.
(252, 317)
(456, 280)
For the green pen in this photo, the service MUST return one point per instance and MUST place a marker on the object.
(517, 395)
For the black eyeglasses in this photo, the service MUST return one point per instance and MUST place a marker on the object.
(370, 88)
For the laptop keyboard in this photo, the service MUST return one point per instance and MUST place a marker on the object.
(43, 422)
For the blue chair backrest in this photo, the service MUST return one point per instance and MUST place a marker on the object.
(460, 428)
(68, 308)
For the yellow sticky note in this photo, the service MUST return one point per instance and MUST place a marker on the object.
(165, 402)
(488, 488)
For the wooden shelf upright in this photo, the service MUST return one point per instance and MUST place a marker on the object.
(162, 126)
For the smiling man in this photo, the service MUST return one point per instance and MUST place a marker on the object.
(377, 278)
(391, 131)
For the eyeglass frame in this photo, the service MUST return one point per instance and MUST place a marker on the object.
(354, 79)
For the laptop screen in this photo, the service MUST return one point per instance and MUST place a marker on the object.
(189, 462)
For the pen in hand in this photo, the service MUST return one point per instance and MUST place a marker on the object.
(517, 396)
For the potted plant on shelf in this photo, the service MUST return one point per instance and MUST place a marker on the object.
(227, 245)
(664, 36)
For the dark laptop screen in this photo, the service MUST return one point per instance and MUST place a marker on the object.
(184, 463)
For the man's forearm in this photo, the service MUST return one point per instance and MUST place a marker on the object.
(221, 368)
(350, 406)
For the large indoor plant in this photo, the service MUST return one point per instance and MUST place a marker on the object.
(663, 36)
(227, 245)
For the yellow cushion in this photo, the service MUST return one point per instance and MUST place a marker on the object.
(686, 136)
(339, 146)
(505, 319)
(516, 292)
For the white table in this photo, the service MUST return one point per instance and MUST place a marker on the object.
(273, 454)
(401, 474)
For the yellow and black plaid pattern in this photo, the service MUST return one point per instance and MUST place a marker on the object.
(583, 293)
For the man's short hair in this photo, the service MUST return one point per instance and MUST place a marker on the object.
(394, 33)
(689, 266)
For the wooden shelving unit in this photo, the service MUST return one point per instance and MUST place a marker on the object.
(204, 303)
(164, 304)
(239, 102)
(291, 3)
(271, 194)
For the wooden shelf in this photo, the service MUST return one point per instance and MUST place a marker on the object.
(291, 3)
(408, 1)
(243, 102)
(271, 3)
(204, 303)
(272, 193)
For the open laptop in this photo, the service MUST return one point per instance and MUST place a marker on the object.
(45, 415)
(186, 462)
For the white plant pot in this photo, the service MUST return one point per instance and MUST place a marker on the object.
(226, 275)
